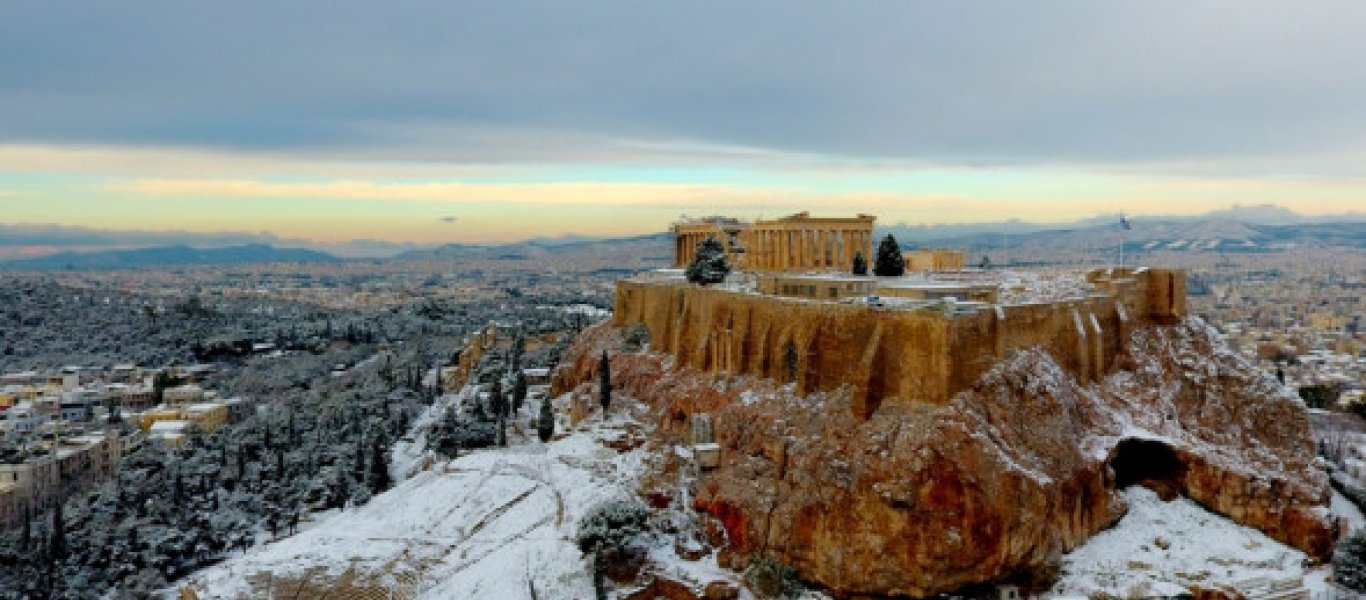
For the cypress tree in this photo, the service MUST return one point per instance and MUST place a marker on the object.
(518, 390)
(26, 536)
(604, 381)
(58, 542)
(860, 264)
(379, 467)
(790, 359)
(889, 262)
(545, 423)
(359, 467)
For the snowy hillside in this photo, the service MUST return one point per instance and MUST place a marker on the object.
(490, 524)
(1169, 546)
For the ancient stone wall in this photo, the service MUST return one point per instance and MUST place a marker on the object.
(879, 353)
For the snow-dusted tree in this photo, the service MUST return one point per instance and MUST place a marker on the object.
(1349, 561)
(889, 261)
(610, 535)
(860, 264)
(545, 422)
(709, 264)
(605, 381)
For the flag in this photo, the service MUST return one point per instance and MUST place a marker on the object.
(1124, 222)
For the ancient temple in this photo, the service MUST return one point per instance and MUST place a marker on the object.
(797, 242)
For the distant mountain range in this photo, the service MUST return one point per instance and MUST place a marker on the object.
(1225, 236)
(1261, 214)
(1260, 228)
(169, 256)
(654, 246)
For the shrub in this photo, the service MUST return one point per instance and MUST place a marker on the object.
(1349, 561)
(770, 578)
(613, 525)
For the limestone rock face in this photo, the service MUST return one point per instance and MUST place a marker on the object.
(921, 498)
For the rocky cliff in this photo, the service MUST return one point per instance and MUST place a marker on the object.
(1021, 466)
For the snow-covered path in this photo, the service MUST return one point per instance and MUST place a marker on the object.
(490, 524)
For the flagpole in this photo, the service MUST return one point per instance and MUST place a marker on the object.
(1123, 226)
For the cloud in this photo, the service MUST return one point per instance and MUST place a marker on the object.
(1160, 83)
(630, 194)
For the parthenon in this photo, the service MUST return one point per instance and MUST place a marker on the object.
(796, 242)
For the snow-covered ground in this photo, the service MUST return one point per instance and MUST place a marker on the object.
(1160, 544)
(490, 524)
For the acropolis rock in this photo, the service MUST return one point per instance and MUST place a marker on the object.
(918, 450)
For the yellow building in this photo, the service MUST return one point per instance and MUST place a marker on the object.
(151, 417)
(208, 416)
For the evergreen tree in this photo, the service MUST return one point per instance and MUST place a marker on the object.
(57, 544)
(341, 489)
(502, 433)
(889, 262)
(545, 423)
(26, 536)
(790, 359)
(499, 403)
(518, 391)
(1349, 561)
(709, 264)
(604, 381)
(379, 466)
(860, 264)
(358, 468)
(496, 397)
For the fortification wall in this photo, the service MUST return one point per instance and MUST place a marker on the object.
(883, 354)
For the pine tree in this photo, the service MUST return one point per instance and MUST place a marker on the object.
(709, 264)
(501, 437)
(604, 381)
(860, 264)
(889, 261)
(1349, 561)
(545, 422)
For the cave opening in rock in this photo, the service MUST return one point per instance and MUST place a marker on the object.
(1148, 463)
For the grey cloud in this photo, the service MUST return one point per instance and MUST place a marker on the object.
(952, 82)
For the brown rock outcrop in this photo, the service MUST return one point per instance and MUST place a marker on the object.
(1015, 469)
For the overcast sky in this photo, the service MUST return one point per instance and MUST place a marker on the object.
(331, 120)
